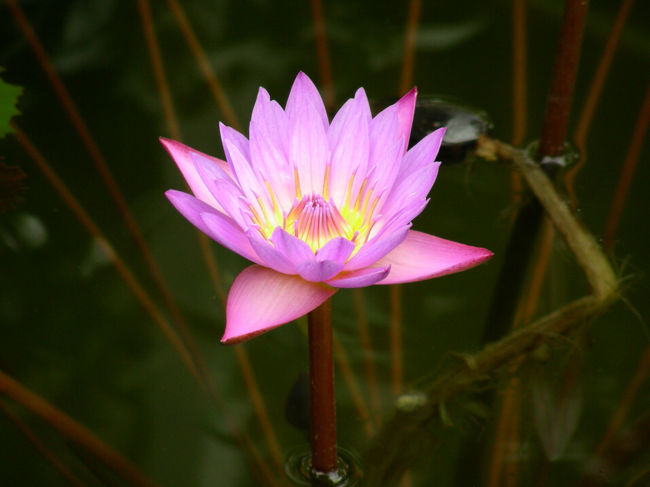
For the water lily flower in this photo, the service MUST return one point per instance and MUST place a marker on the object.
(316, 206)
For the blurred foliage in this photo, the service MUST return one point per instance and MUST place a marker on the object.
(74, 333)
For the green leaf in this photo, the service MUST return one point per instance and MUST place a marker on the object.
(8, 98)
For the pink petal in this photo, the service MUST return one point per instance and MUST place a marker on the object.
(248, 180)
(261, 299)
(270, 256)
(412, 189)
(236, 139)
(225, 231)
(292, 247)
(305, 92)
(406, 108)
(386, 149)
(213, 223)
(421, 256)
(308, 148)
(349, 142)
(338, 250)
(376, 248)
(223, 188)
(423, 153)
(360, 278)
(182, 156)
(269, 148)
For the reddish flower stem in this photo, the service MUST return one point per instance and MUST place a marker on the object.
(565, 69)
(322, 402)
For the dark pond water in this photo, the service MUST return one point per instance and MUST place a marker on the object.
(73, 332)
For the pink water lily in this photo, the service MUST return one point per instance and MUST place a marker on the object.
(317, 206)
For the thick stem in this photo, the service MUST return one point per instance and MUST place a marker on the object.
(322, 403)
(565, 69)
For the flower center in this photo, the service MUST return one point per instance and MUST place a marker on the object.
(317, 221)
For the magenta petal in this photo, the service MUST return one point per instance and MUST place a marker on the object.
(421, 256)
(271, 257)
(376, 248)
(319, 271)
(292, 247)
(308, 265)
(304, 92)
(360, 278)
(411, 189)
(224, 189)
(406, 108)
(182, 156)
(423, 153)
(225, 231)
(349, 141)
(234, 138)
(261, 299)
(219, 227)
(338, 250)
(386, 149)
(309, 150)
(191, 208)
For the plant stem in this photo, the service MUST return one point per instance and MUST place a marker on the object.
(322, 403)
(565, 69)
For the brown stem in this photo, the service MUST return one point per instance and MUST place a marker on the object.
(343, 364)
(395, 331)
(412, 22)
(324, 65)
(42, 448)
(204, 64)
(366, 346)
(627, 172)
(73, 431)
(560, 95)
(591, 103)
(322, 403)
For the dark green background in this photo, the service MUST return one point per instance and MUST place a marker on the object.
(73, 333)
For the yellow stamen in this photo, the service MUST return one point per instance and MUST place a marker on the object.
(326, 181)
(276, 208)
(357, 203)
(296, 183)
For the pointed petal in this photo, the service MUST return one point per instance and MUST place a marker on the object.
(236, 139)
(270, 256)
(255, 191)
(360, 278)
(406, 108)
(422, 153)
(421, 256)
(410, 190)
(269, 132)
(386, 149)
(191, 208)
(304, 92)
(261, 299)
(376, 248)
(308, 148)
(349, 142)
(213, 223)
(310, 267)
(338, 250)
(182, 156)
(228, 195)
(320, 270)
(292, 247)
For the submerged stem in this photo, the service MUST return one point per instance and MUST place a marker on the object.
(322, 402)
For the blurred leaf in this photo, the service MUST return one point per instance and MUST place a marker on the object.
(445, 36)
(8, 98)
